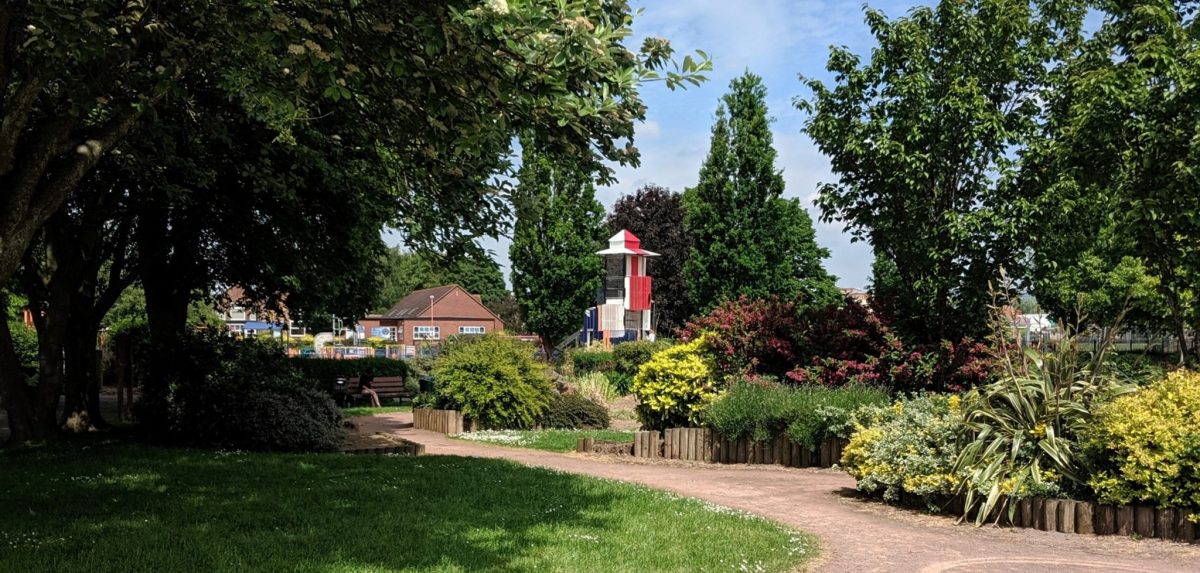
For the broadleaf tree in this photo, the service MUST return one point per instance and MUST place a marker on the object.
(922, 137)
(559, 227)
(746, 238)
(1119, 174)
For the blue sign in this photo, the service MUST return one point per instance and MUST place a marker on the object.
(381, 332)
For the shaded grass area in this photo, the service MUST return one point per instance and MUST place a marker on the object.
(135, 509)
(355, 411)
(548, 440)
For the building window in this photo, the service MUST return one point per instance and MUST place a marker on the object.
(470, 330)
(236, 329)
(427, 332)
(237, 313)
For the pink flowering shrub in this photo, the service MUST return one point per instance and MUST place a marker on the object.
(831, 346)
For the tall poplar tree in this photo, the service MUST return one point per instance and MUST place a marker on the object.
(746, 238)
(555, 271)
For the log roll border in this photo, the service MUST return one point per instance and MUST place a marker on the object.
(1083, 517)
(440, 421)
(704, 445)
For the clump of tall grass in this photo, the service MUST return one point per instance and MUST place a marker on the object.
(596, 385)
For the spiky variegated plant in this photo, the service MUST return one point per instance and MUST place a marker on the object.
(1024, 428)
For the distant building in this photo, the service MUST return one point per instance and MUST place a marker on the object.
(857, 295)
(242, 318)
(432, 315)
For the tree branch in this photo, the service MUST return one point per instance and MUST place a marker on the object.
(16, 116)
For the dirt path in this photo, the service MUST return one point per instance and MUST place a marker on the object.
(855, 535)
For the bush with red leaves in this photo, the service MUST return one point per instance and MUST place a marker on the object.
(830, 346)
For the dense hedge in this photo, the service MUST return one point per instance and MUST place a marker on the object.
(628, 357)
(808, 415)
(322, 372)
(575, 411)
(584, 361)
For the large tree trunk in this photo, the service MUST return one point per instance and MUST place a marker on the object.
(13, 391)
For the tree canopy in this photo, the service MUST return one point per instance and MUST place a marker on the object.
(555, 271)
(746, 238)
(403, 272)
(921, 138)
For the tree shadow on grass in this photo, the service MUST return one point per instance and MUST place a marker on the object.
(121, 508)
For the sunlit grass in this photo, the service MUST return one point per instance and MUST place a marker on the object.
(133, 509)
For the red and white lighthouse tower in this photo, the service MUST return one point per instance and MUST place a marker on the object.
(623, 310)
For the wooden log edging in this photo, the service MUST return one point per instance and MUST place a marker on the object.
(1082, 517)
(441, 421)
(591, 445)
(704, 445)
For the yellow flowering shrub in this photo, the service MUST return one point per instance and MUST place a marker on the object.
(1149, 444)
(674, 386)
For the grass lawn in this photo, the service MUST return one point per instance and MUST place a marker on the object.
(134, 509)
(549, 440)
(354, 411)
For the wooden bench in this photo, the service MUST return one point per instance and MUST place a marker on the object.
(386, 387)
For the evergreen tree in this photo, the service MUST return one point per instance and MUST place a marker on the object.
(555, 271)
(655, 215)
(746, 238)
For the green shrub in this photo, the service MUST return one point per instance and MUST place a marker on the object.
(574, 411)
(628, 357)
(910, 446)
(584, 361)
(675, 386)
(763, 410)
(595, 385)
(25, 344)
(1024, 429)
(495, 381)
(1148, 444)
(322, 372)
(237, 394)
(425, 401)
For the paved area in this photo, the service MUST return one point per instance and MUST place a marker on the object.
(856, 535)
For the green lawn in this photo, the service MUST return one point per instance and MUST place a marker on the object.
(133, 509)
(549, 440)
(369, 411)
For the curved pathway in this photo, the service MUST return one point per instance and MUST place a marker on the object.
(856, 535)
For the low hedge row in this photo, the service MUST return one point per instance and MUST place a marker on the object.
(322, 372)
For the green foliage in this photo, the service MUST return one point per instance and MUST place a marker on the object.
(321, 373)
(238, 394)
(763, 410)
(495, 381)
(1023, 430)
(401, 273)
(25, 345)
(674, 387)
(746, 239)
(555, 271)
(1148, 445)
(575, 411)
(1116, 171)
(628, 357)
(910, 446)
(921, 139)
(656, 216)
(589, 360)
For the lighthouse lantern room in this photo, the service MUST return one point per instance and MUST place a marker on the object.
(624, 304)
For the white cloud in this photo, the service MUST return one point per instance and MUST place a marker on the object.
(648, 129)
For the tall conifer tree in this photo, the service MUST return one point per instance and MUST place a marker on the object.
(746, 238)
(555, 271)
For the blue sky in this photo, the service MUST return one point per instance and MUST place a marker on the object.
(776, 39)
